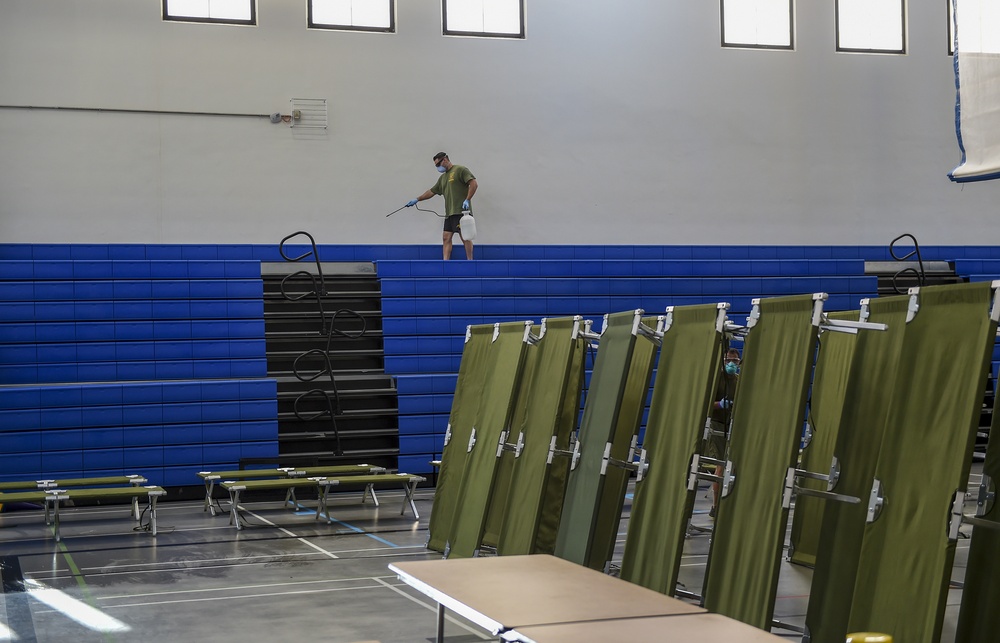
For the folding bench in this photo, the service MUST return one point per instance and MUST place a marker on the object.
(38, 496)
(151, 493)
(408, 481)
(134, 480)
(237, 487)
(212, 477)
(50, 492)
(322, 484)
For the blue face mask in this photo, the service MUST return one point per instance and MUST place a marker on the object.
(732, 368)
(441, 169)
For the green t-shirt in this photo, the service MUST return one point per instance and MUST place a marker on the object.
(454, 185)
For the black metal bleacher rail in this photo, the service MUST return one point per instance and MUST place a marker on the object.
(336, 405)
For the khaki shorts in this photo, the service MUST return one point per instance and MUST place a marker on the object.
(715, 445)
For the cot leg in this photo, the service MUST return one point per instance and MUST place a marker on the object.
(410, 488)
(48, 520)
(440, 624)
(234, 514)
(136, 515)
(152, 513)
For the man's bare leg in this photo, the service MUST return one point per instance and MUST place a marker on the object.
(446, 244)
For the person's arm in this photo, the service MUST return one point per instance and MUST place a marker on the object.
(473, 186)
(423, 197)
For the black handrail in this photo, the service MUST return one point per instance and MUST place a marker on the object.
(332, 404)
(315, 292)
(314, 252)
(331, 410)
(919, 274)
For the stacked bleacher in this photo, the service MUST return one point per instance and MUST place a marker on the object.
(131, 359)
(166, 337)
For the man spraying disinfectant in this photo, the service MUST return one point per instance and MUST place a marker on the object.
(457, 185)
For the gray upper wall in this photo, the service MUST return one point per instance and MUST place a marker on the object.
(615, 122)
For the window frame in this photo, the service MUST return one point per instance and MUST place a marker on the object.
(311, 24)
(791, 31)
(482, 34)
(904, 41)
(252, 21)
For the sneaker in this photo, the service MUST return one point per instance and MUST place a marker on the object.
(711, 512)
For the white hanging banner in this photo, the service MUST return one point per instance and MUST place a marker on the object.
(977, 80)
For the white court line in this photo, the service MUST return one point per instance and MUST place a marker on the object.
(434, 609)
(240, 597)
(236, 588)
(300, 539)
(263, 558)
(64, 573)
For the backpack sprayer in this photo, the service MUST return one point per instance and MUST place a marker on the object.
(466, 225)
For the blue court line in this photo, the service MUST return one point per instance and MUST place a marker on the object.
(305, 511)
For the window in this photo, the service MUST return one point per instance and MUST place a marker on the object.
(978, 26)
(765, 24)
(353, 15)
(234, 12)
(874, 26)
(492, 18)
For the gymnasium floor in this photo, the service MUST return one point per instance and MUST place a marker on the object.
(285, 577)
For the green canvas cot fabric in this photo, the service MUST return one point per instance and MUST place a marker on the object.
(504, 468)
(745, 554)
(600, 418)
(906, 554)
(979, 618)
(495, 408)
(468, 390)
(687, 372)
(550, 512)
(866, 403)
(830, 379)
(551, 383)
(612, 498)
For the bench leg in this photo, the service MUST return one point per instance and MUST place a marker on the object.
(369, 490)
(209, 486)
(410, 488)
(321, 507)
(152, 513)
(234, 514)
(55, 520)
